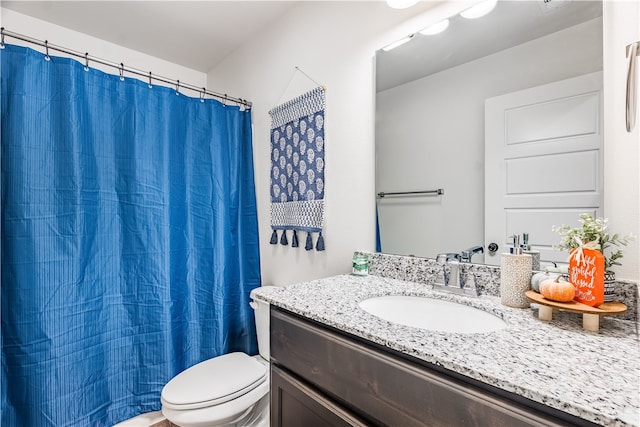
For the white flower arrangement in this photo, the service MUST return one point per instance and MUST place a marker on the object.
(593, 230)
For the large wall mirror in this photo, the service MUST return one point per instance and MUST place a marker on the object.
(461, 111)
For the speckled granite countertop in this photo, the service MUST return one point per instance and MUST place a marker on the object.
(595, 376)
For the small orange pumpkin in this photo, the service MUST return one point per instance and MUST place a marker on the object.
(557, 290)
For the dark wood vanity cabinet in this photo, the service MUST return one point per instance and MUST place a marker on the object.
(323, 377)
(295, 403)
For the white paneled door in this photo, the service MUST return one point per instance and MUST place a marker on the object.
(543, 162)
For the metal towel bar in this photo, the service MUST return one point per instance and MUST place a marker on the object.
(437, 192)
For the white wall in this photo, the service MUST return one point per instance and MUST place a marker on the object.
(621, 149)
(430, 134)
(334, 43)
(64, 37)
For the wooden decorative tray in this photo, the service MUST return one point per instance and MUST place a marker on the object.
(590, 315)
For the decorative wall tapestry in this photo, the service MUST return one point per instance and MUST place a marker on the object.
(297, 169)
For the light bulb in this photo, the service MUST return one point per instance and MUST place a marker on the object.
(436, 28)
(401, 4)
(479, 10)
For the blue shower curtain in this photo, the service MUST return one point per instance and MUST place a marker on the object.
(129, 240)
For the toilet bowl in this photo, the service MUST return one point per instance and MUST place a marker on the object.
(228, 390)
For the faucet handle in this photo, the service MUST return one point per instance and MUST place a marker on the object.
(441, 258)
(454, 274)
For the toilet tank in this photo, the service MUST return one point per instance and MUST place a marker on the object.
(261, 313)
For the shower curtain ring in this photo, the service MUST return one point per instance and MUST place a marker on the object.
(86, 61)
(177, 87)
(2, 38)
(150, 86)
(121, 70)
(202, 94)
(225, 100)
(46, 48)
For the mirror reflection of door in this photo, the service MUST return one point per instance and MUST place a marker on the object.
(430, 123)
(543, 164)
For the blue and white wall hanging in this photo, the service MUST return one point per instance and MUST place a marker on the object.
(297, 169)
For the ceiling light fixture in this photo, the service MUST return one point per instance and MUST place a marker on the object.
(395, 44)
(401, 4)
(436, 28)
(479, 10)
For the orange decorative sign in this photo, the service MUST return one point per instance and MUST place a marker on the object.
(586, 272)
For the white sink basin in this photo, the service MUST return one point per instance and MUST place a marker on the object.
(432, 314)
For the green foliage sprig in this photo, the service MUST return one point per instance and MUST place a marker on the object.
(593, 230)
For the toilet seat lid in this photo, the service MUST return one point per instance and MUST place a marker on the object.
(214, 381)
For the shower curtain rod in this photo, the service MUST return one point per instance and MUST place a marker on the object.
(121, 67)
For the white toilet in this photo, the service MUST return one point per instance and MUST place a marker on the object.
(229, 390)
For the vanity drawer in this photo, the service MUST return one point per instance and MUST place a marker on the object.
(383, 388)
(294, 403)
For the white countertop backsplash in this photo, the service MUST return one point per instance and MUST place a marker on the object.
(595, 376)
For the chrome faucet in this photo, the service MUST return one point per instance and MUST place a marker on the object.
(446, 256)
(465, 256)
(449, 278)
(453, 279)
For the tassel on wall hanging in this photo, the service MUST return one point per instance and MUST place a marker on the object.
(297, 170)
